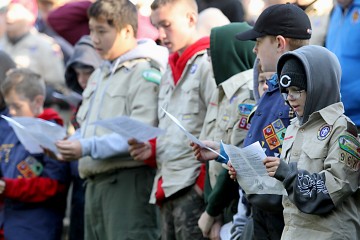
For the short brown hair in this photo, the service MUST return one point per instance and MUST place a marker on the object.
(117, 13)
(297, 43)
(159, 3)
(293, 43)
(24, 82)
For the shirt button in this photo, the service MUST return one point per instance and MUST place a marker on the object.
(250, 135)
(302, 130)
(280, 113)
(295, 153)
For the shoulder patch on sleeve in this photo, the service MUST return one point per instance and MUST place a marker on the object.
(351, 128)
(350, 145)
(152, 75)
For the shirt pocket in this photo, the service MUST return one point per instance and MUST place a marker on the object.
(226, 125)
(313, 156)
(114, 102)
(190, 97)
(85, 105)
(164, 92)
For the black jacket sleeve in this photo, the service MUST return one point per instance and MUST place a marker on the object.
(307, 191)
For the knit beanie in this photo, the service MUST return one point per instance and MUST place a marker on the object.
(293, 74)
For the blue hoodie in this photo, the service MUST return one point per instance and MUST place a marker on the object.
(343, 39)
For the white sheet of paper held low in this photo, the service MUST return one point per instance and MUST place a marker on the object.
(35, 133)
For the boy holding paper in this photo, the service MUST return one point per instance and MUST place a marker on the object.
(126, 84)
(279, 29)
(319, 163)
(33, 186)
(185, 92)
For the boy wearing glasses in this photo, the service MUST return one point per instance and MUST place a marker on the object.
(280, 28)
(320, 159)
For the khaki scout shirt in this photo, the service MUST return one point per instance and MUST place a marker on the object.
(316, 147)
(125, 93)
(39, 53)
(187, 101)
(224, 113)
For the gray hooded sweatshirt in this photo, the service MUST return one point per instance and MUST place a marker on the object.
(320, 157)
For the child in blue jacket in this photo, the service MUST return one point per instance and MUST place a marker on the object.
(33, 185)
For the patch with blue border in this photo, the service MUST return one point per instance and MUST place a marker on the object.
(324, 132)
(152, 75)
(193, 68)
(244, 111)
(278, 125)
(245, 108)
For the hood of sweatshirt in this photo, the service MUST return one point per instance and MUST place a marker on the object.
(230, 56)
(146, 48)
(6, 63)
(84, 53)
(323, 74)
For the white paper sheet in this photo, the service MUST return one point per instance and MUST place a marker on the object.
(72, 98)
(130, 128)
(189, 135)
(35, 133)
(251, 172)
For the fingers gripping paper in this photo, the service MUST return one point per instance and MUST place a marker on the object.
(189, 135)
(251, 173)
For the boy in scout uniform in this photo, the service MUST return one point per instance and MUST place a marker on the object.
(185, 92)
(320, 159)
(33, 186)
(118, 187)
(226, 120)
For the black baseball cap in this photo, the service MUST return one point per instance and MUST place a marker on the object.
(287, 20)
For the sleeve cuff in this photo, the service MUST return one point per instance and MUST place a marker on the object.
(282, 171)
(85, 146)
(151, 161)
(222, 153)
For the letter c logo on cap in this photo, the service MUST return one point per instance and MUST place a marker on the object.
(285, 81)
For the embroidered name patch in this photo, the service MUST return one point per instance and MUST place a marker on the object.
(324, 132)
(350, 154)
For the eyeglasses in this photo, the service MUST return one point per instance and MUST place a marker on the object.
(293, 95)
